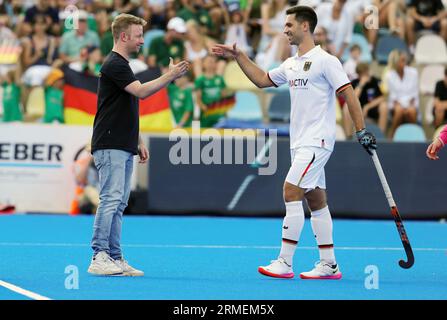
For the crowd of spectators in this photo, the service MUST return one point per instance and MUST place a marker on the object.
(46, 35)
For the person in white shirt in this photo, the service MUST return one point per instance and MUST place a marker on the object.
(314, 78)
(337, 19)
(351, 64)
(403, 90)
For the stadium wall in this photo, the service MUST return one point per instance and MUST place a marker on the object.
(354, 190)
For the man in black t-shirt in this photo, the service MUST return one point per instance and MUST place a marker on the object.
(426, 15)
(116, 140)
(373, 102)
(440, 103)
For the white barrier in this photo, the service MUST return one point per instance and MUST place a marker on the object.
(36, 165)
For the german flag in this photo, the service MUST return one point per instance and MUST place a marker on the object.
(80, 100)
(220, 107)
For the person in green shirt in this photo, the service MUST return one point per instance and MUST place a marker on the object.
(210, 88)
(11, 97)
(168, 45)
(181, 101)
(54, 97)
(73, 41)
(195, 10)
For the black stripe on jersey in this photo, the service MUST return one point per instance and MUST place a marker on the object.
(343, 87)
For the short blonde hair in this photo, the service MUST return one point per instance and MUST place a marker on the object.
(394, 57)
(123, 21)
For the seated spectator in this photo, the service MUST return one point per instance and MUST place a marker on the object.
(5, 32)
(237, 28)
(337, 19)
(321, 39)
(11, 96)
(51, 14)
(274, 46)
(425, 15)
(209, 89)
(73, 41)
(440, 103)
(391, 16)
(373, 102)
(168, 45)
(90, 63)
(197, 47)
(351, 64)
(155, 12)
(54, 97)
(403, 90)
(181, 101)
(195, 10)
(39, 53)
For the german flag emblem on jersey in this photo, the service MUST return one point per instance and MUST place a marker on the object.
(307, 65)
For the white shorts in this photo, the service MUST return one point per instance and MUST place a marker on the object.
(307, 169)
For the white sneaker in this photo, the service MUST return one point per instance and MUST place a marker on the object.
(323, 270)
(103, 264)
(127, 269)
(277, 269)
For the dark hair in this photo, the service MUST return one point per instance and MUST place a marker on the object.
(355, 47)
(445, 71)
(304, 13)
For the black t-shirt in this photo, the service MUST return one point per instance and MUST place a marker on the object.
(441, 91)
(370, 91)
(116, 124)
(427, 8)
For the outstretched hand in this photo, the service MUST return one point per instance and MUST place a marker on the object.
(433, 149)
(225, 51)
(179, 69)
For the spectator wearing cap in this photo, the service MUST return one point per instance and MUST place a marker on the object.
(169, 45)
(51, 14)
(73, 41)
(440, 102)
(54, 97)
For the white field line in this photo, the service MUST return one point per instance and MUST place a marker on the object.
(22, 291)
(192, 246)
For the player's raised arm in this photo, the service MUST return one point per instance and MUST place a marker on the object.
(256, 75)
(148, 88)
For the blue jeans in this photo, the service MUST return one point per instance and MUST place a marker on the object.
(115, 171)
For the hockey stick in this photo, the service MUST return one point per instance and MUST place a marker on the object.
(395, 212)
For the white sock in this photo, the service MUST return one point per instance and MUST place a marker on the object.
(321, 222)
(292, 225)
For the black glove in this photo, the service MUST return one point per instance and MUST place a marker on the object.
(367, 140)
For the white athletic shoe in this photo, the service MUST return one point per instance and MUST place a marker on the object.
(277, 269)
(102, 264)
(127, 269)
(323, 270)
